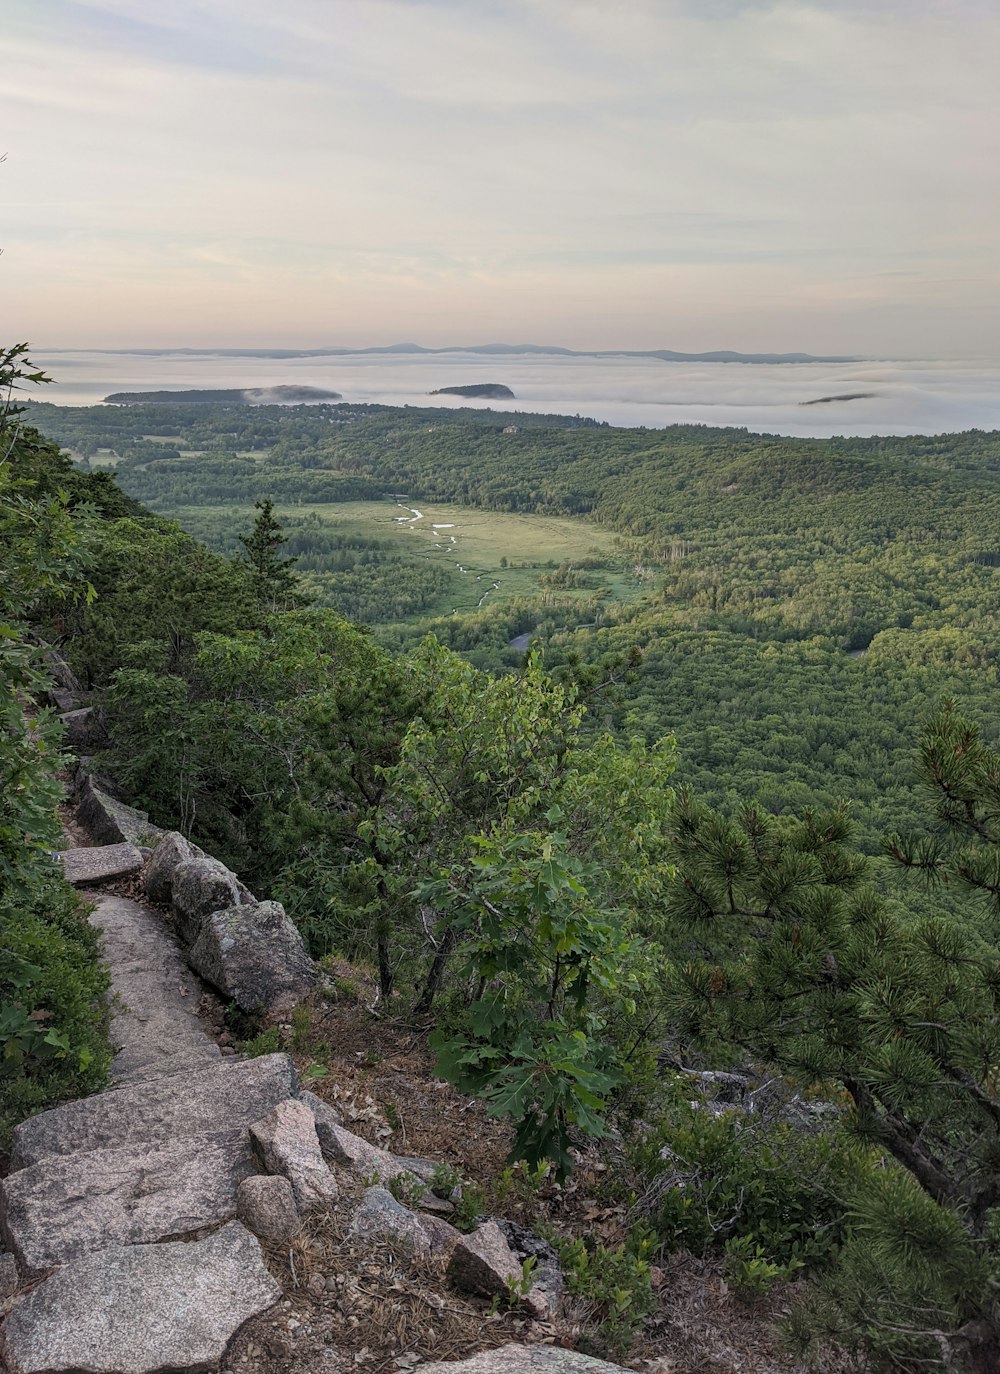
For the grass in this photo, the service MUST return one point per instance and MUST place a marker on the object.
(470, 544)
(489, 557)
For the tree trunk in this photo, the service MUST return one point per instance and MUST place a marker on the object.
(435, 973)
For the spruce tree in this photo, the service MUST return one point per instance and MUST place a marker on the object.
(274, 582)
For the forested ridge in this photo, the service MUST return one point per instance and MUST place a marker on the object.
(798, 606)
(792, 1072)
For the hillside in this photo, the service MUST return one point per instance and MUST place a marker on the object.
(723, 1062)
(799, 605)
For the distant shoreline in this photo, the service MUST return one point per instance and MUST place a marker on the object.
(490, 350)
(236, 396)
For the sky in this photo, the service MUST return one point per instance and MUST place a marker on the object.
(686, 174)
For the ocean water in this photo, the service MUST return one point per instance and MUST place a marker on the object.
(908, 397)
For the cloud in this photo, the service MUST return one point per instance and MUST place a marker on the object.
(491, 150)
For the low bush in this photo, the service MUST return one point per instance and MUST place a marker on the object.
(706, 1178)
(613, 1288)
(53, 1040)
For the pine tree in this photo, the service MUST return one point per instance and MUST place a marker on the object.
(791, 958)
(274, 582)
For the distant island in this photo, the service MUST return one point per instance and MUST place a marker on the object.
(666, 355)
(847, 396)
(491, 391)
(244, 396)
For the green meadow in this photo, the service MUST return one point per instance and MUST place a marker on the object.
(480, 557)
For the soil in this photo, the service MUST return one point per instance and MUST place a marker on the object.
(350, 1307)
(375, 1310)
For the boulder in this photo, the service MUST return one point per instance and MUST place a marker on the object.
(83, 729)
(547, 1280)
(87, 768)
(158, 880)
(254, 955)
(265, 1204)
(324, 1113)
(441, 1234)
(85, 867)
(383, 1217)
(351, 1152)
(142, 1309)
(286, 1143)
(112, 822)
(523, 1359)
(9, 1281)
(60, 671)
(199, 887)
(483, 1263)
(64, 699)
(64, 1207)
(230, 1093)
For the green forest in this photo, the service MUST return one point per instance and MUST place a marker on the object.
(794, 608)
(702, 870)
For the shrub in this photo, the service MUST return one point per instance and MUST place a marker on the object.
(53, 1041)
(707, 1179)
(612, 1286)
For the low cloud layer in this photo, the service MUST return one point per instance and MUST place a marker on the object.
(728, 173)
(900, 398)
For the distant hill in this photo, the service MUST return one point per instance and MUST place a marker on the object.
(666, 355)
(492, 391)
(250, 396)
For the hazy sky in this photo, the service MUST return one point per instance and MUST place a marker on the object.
(687, 174)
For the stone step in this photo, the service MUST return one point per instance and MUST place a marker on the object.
(85, 867)
(523, 1359)
(62, 1208)
(141, 1309)
(109, 821)
(141, 1068)
(153, 1019)
(226, 1094)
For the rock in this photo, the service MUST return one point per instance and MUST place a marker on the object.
(87, 768)
(9, 1281)
(109, 821)
(65, 700)
(324, 1114)
(84, 867)
(64, 1207)
(547, 1280)
(60, 671)
(286, 1143)
(83, 729)
(265, 1204)
(424, 1169)
(430, 1202)
(382, 1217)
(441, 1234)
(231, 1093)
(483, 1263)
(158, 879)
(142, 1309)
(351, 1152)
(254, 955)
(524, 1359)
(154, 1024)
(199, 887)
